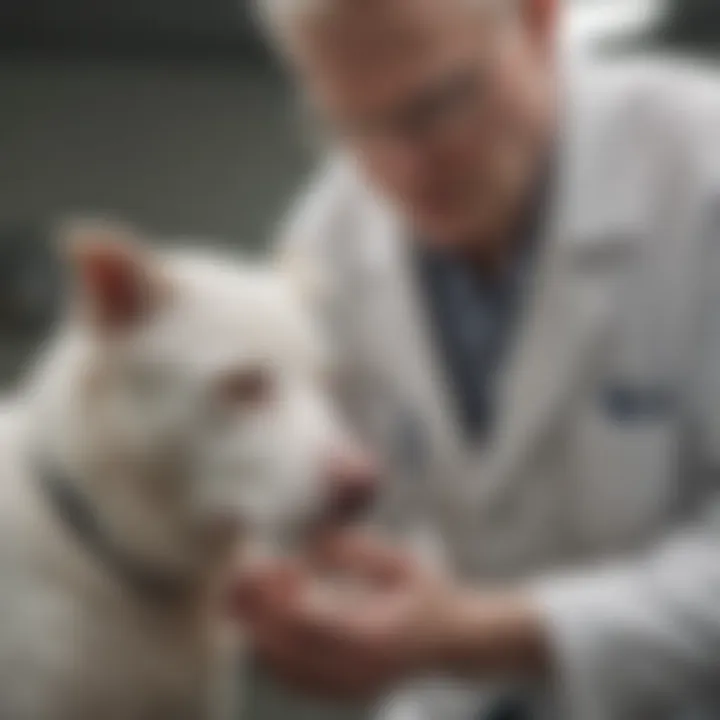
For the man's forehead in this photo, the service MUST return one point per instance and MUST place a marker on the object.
(370, 56)
(351, 28)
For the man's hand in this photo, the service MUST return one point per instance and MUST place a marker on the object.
(398, 621)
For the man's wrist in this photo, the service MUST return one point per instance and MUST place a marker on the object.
(493, 634)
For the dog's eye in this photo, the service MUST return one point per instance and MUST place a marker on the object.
(250, 388)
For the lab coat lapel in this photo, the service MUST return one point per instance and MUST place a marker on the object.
(572, 304)
(410, 358)
(564, 332)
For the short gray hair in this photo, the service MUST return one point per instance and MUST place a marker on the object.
(274, 13)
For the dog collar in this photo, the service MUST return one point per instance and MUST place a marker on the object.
(76, 512)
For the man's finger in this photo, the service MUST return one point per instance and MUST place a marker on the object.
(362, 555)
(305, 665)
(315, 616)
(326, 682)
(264, 585)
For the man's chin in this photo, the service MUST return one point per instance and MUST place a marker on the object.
(469, 230)
(456, 235)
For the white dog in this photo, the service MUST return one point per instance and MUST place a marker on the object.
(180, 404)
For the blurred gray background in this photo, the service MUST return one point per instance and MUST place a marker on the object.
(163, 111)
(170, 113)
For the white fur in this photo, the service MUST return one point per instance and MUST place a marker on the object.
(163, 466)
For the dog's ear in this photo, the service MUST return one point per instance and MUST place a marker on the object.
(116, 278)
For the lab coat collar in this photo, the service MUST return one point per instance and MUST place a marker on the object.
(597, 212)
(579, 226)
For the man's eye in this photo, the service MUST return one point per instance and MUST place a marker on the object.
(246, 388)
(456, 94)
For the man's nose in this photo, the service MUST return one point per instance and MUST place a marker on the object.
(352, 482)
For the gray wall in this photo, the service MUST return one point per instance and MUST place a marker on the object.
(128, 22)
(184, 148)
(214, 18)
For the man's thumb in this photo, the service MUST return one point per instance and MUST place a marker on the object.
(365, 557)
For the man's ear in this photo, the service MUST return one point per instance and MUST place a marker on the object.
(115, 276)
(543, 17)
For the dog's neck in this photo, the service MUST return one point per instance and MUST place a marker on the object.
(77, 516)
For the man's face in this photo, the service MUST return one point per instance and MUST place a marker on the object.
(443, 102)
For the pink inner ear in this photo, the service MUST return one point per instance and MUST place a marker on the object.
(116, 282)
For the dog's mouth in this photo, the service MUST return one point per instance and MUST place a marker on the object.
(348, 510)
(350, 493)
(345, 507)
(346, 499)
(334, 513)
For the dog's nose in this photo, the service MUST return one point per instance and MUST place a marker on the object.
(352, 486)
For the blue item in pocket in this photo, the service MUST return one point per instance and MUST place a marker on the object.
(636, 403)
(510, 707)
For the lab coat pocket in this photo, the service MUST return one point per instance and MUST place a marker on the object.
(624, 472)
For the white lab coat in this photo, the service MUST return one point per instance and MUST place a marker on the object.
(598, 489)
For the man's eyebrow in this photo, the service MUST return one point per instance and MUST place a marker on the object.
(417, 101)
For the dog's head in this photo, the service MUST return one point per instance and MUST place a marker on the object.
(189, 394)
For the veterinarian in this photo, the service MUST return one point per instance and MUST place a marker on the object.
(525, 259)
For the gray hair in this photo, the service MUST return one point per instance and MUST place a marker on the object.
(273, 14)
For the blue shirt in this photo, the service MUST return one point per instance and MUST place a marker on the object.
(474, 317)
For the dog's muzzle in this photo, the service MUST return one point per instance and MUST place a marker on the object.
(351, 489)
